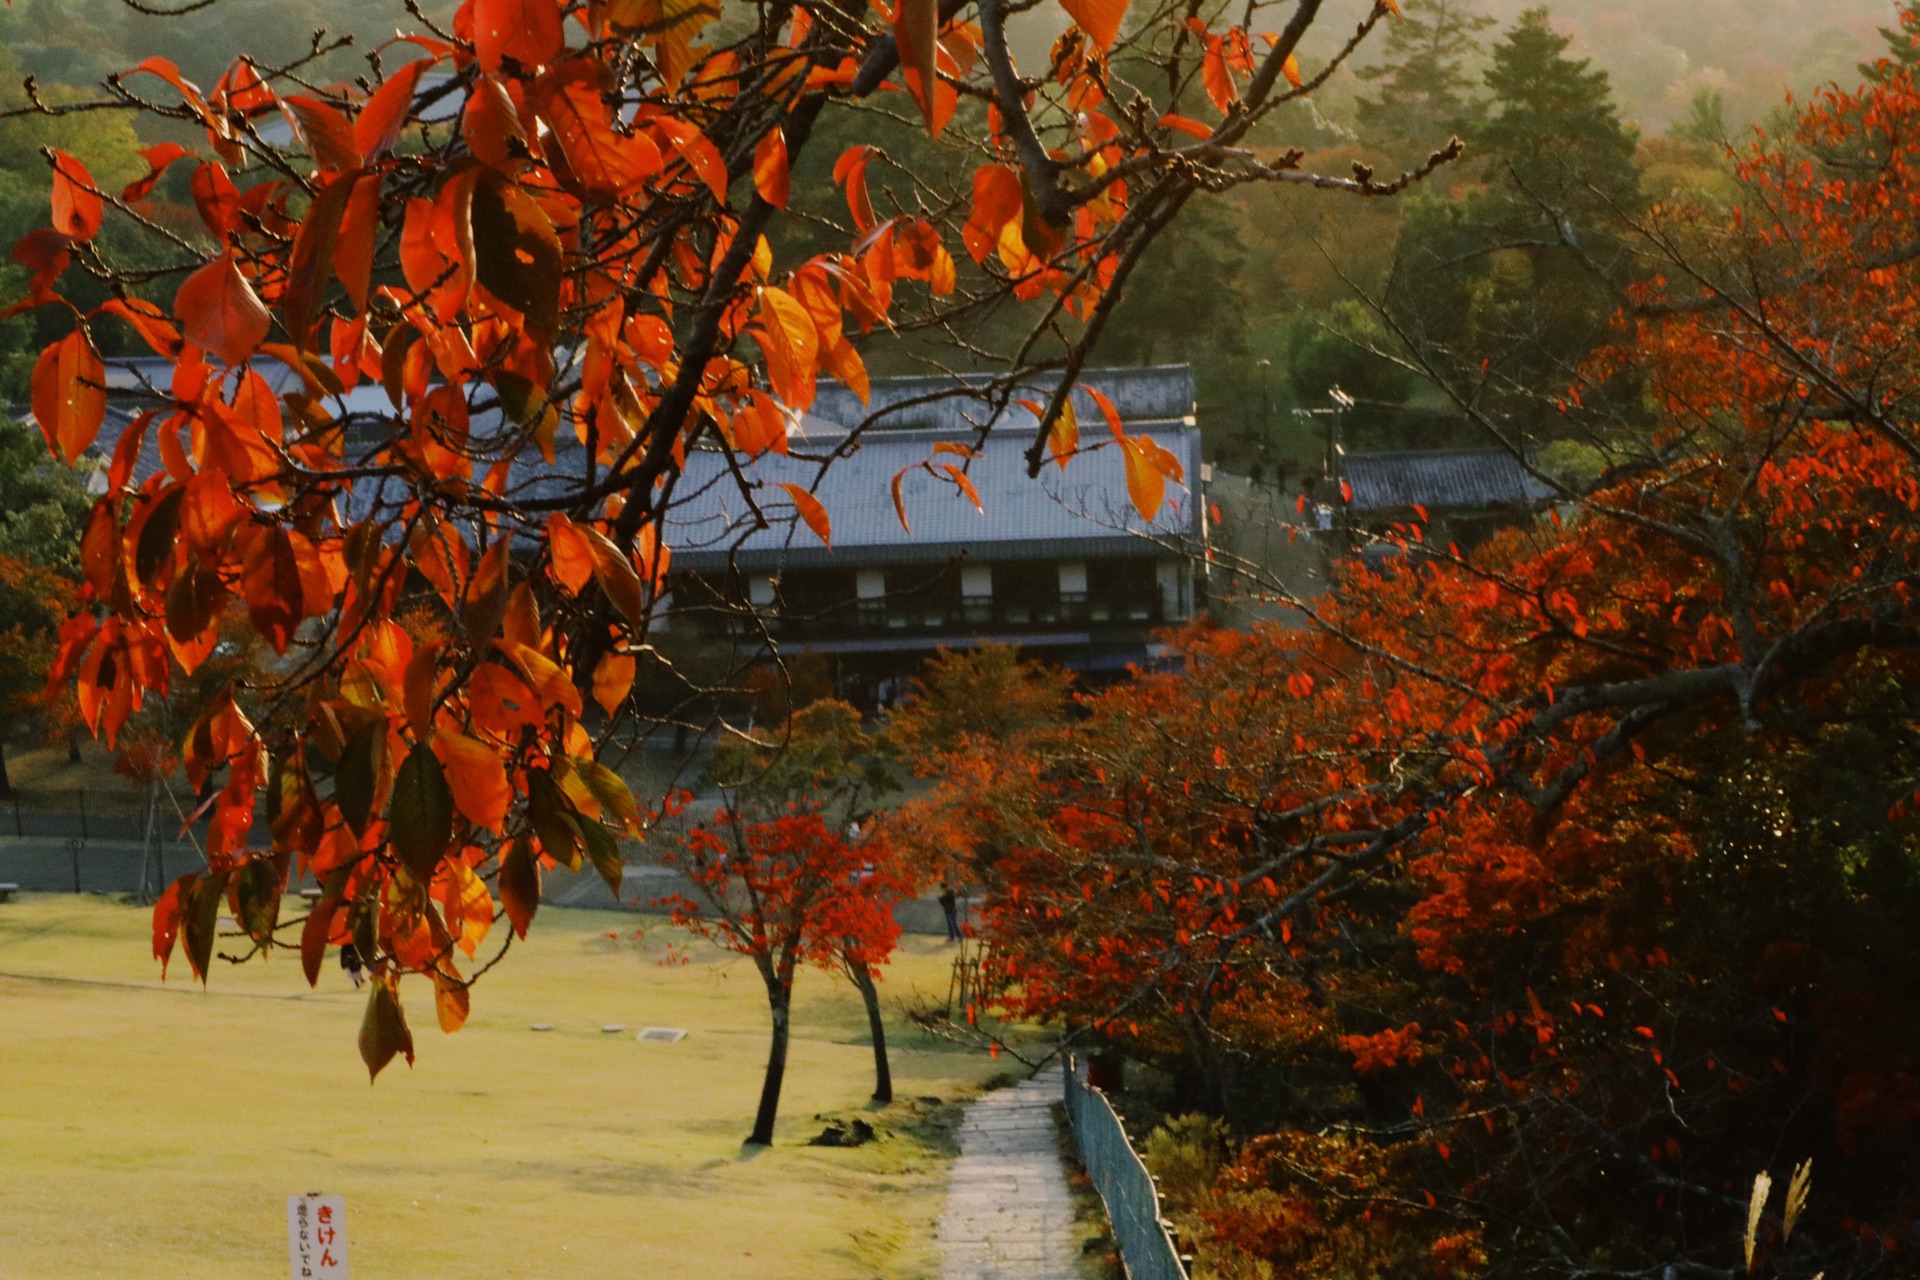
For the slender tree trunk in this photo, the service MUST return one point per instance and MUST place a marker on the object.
(73, 746)
(6, 783)
(870, 994)
(150, 842)
(1202, 1086)
(780, 1000)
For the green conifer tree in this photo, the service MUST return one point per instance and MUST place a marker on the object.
(1554, 128)
(1901, 50)
(1427, 90)
(1510, 284)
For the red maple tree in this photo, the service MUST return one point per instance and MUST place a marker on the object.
(785, 890)
(1533, 898)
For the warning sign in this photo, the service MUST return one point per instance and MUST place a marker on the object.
(316, 1237)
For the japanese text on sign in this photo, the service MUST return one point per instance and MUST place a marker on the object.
(316, 1237)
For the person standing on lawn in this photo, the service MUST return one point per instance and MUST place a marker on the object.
(350, 961)
(950, 907)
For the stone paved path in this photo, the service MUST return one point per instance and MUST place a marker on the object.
(1009, 1215)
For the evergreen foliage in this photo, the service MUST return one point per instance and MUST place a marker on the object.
(1426, 91)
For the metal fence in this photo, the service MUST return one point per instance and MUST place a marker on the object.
(74, 841)
(1133, 1202)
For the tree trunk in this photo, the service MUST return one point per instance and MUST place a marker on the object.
(869, 994)
(1202, 1083)
(73, 746)
(6, 783)
(150, 843)
(780, 999)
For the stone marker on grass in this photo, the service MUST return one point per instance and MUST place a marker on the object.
(664, 1035)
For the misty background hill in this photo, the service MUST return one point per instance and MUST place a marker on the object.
(1659, 53)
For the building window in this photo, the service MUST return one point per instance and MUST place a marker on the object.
(923, 598)
(1176, 597)
(1026, 593)
(1123, 591)
(976, 594)
(816, 601)
(870, 589)
(1073, 590)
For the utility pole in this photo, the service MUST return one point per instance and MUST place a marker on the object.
(1266, 425)
(1266, 405)
(1336, 436)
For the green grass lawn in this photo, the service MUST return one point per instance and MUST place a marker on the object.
(150, 1130)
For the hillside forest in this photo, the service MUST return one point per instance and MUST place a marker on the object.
(1263, 281)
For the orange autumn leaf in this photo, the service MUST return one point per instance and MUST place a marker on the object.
(770, 177)
(524, 32)
(354, 251)
(916, 34)
(1149, 467)
(811, 511)
(1226, 55)
(569, 553)
(46, 255)
(149, 321)
(384, 1034)
(311, 262)
(613, 681)
(467, 904)
(965, 484)
(492, 128)
(1107, 411)
(1063, 437)
(327, 133)
(477, 778)
(77, 208)
(220, 313)
(792, 346)
(600, 163)
(378, 126)
(519, 885)
(69, 395)
(997, 205)
(550, 684)
(899, 499)
(216, 197)
(850, 170)
(615, 572)
(1100, 19)
(500, 702)
(697, 149)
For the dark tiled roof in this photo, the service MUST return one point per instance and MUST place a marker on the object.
(958, 404)
(1439, 479)
(1078, 510)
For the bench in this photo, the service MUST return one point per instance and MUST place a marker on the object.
(7, 891)
(311, 895)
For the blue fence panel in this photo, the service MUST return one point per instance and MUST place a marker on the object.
(1133, 1203)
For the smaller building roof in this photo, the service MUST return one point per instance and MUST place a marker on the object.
(1439, 480)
